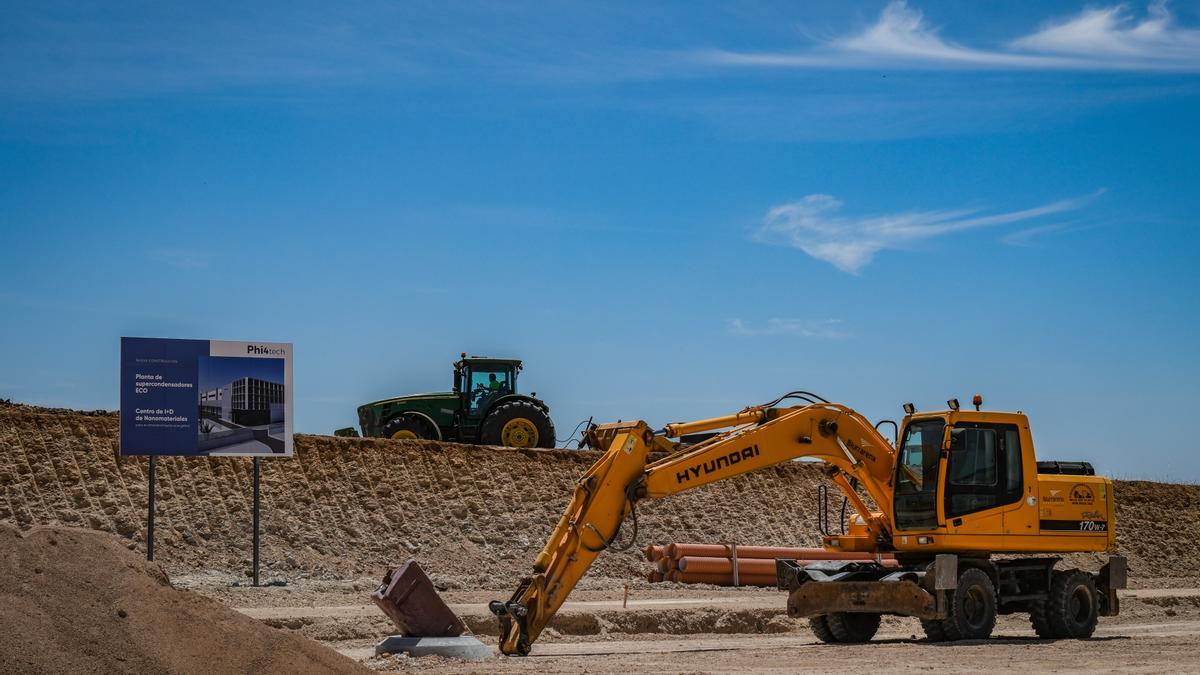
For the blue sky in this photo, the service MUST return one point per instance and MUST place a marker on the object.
(669, 211)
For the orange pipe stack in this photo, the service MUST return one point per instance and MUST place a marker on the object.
(714, 563)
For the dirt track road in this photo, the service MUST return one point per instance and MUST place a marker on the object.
(1134, 648)
(1157, 632)
(762, 601)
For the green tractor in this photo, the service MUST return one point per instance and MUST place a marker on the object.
(483, 408)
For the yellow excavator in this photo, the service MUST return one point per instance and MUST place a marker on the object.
(954, 490)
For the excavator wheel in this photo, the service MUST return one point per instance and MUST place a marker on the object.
(406, 427)
(1070, 609)
(853, 627)
(933, 630)
(820, 627)
(972, 614)
(518, 424)
(1039, 617)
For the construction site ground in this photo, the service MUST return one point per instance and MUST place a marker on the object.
(668, 628)
(343, 509)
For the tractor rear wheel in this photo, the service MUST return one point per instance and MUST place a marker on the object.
(518, 424)
(407, 427)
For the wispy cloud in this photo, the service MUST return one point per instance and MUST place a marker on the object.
(1112, 32)
(1097, 39)
(808, 328)
(812, 224)
(180, 258)
(1027, 236)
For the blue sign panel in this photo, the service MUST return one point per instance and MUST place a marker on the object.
(205, 397)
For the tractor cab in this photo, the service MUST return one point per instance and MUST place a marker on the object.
(479, 381)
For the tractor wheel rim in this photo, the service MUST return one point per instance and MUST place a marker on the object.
(519, 433)
(405, 435)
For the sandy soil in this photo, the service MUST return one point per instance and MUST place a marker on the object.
(1169, 648)
(74, 601)
(669, 628)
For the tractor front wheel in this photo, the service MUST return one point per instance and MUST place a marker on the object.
(518, 424)
(407, 427)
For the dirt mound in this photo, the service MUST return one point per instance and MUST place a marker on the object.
(474, 516)
(73, 600)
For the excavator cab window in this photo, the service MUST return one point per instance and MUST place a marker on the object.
(984, 470)
(917, 475)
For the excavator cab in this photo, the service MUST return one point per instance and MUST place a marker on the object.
(983, 467)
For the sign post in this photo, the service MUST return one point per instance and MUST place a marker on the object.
(256, 512)
(205, 398)
(150, 515)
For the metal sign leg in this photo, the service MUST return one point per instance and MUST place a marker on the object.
(150, 515)
(256, 519)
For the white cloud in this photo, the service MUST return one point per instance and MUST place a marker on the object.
(813, 225)
(1097, 39)
(1111, 31)
(809, 328)
(903, 32)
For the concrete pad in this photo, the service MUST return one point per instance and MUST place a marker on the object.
(466, 647)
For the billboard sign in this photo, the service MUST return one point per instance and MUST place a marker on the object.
(206, 397)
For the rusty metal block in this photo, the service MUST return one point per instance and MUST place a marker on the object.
(409, 599)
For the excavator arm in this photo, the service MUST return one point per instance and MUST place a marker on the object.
(610, 490)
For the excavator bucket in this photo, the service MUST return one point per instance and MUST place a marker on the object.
(409, 599)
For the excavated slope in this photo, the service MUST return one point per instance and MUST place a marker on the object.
(474, 516)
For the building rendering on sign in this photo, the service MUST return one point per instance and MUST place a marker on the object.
(246, 401)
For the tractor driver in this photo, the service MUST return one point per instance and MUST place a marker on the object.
(486, 393)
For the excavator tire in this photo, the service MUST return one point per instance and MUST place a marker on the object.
(1071, 608)
(972, 614)
(518, 424)
(853, 627)
(404, 426)
(820, 627)
(1040, 620)
(933, 630)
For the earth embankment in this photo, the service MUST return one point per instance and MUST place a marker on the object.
(473, 515)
